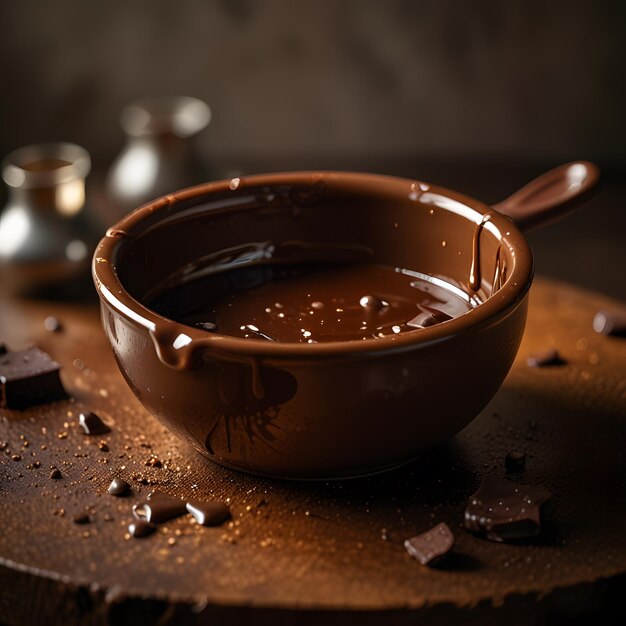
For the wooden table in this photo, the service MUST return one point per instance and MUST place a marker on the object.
(312, 553)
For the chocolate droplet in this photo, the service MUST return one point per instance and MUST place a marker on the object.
(505, 511)
(55, 474)
(119, 487)
(515, 461)
(159, 507)
(210, 326)
(549, 358)
(610, 323)
(431, 547)
(52, 324)
(208, 513)
(141, 528)
(373, 303)
(92, 424)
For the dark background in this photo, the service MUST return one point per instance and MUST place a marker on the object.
(479, 95)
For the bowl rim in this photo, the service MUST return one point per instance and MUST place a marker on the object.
(187, 339)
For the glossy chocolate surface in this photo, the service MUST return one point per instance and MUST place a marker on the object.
(312, 303)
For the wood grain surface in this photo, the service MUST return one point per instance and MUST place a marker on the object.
(312, 553)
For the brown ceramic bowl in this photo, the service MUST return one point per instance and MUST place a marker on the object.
(337, 409)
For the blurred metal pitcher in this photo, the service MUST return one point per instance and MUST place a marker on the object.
(46, 234)
(159, 155)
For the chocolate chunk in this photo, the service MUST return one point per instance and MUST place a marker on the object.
(208, 513)
(92, 424)
(55, 474)
(82, 518)
(29, 377)
(549, 358)
(141, 528)
(52, 324)
(504, 511)
(515, 461)
(159, 507)
(610, 323)
(428, 317)
(119, 487)
(431, 547)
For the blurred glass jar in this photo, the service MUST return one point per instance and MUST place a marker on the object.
(46, 233)
(159, 155)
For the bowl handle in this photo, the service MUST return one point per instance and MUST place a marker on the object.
(552, 195)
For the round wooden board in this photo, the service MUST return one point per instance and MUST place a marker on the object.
(314, 552)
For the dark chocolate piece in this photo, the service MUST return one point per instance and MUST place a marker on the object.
(159, 507)
(92, 424)
(610, 323)
(52, 324)
(431, 547)
(504, 511)
(515, 461)
(119, 487)
(549, 358)
(141, 528)
(428, 317)
(208, 513)
(81, 518)
(29, 377)
(55, 474)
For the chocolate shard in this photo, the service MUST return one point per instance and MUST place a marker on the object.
(428, 317)
(549, 358)
(141, 528)
(607, 322)
(515, 461)
(29, 377)
(159, 507)
(92, 424)
(504, 511)
(431, 547)
(208, 513)
(119, 487)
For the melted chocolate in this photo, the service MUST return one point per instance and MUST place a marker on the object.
(311, 303)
